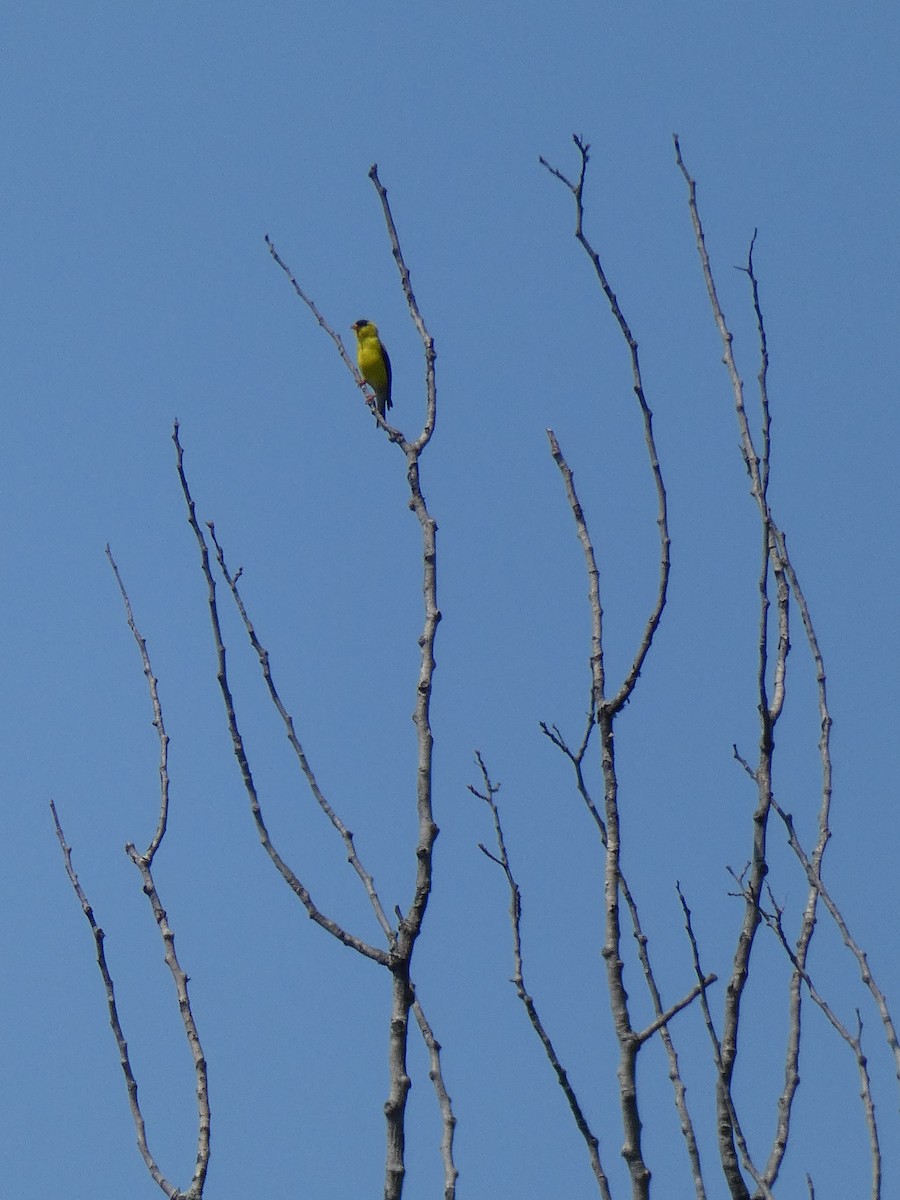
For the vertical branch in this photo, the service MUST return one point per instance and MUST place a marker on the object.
(628, 1041)
(414, 311)
(769, 712)
(598, 673)
(576, 758)
(727, 1111)
(787, 585)
(158, 723)
(662, 520)
(411, 923)
(187, 1017)
(431, 1042)
(607, 710)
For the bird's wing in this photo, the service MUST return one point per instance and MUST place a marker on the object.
(387, 367)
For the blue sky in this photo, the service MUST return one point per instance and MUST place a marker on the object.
(147, 150)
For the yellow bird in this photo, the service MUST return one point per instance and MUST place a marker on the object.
(374, 364)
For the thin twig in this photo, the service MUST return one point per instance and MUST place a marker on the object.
(300, 891)
(775, 922)
(99, 936)
(662, 521)
(336, 338)
(448, 1120)
(664, 1018)
(158, 723)
(515, 912)
(598, 676)
(865, 971)
(680, 1091)
(427, 340)
(263, 656)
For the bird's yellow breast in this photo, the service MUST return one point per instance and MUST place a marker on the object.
(371, 362)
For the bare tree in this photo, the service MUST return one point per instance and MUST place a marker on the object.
(719, 996)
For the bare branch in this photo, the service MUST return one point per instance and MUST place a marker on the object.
(577, 190)
(607, 710)
(598, 678)
(418, 320)
(680, 1092)
(313, 308)
(664, 1018)
(775, 923)
(300, 891)
(518, 980)
(394, 434)
(167, 1188)
(763, 370)
(263, 656)
(448, 1120)
(769, 711)
(187, 1018)
(787, 584)
(865, 971)
(729, 1123)
(679, 1089)
(158, 724)
(410, 924)
(144, 863)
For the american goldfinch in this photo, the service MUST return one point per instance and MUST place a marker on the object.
(373, 362)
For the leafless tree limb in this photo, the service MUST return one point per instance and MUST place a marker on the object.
(577, 190)
(144, 863)
(607, 709)
(518, 980)
(774, 920)
(727, 1112)
(409, 923)
(156, 1174)
(336, 338)
(448, 1120)
(158, 723)
(427, 340)
(776, 557)
(680, 1092)
(300, 891)
(868, 979)
(665, 1017)
(433, 1046)
(288, 721)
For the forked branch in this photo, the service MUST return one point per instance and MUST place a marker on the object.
(144, 863)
